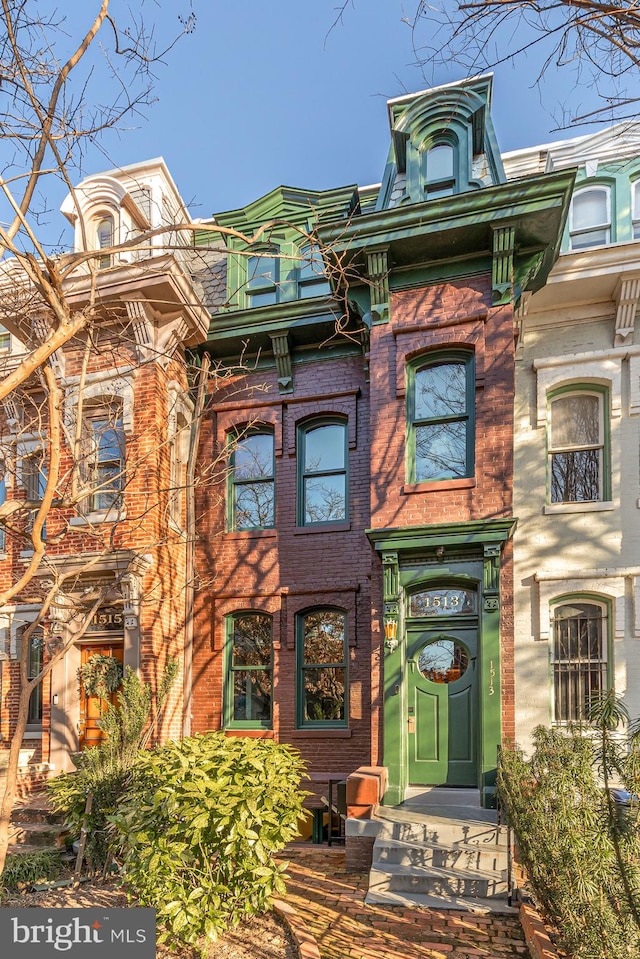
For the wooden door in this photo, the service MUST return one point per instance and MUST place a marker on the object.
(92, 707)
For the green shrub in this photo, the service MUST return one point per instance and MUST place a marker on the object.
(199, 824)
(580, 850)
(104, 769)
(23, 869)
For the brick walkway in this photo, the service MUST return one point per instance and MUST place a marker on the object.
(331, 902)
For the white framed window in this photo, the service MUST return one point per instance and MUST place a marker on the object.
(104, 238)
(590, 217)
(635, 209)
(579, 656)
(578, 461)
(180, 412)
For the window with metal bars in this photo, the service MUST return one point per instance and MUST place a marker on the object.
(579, 658)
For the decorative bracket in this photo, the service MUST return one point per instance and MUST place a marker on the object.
(628, 297)
(502, 271)
(280, 344)
(391, 597)
(378, 271)
(491, 569)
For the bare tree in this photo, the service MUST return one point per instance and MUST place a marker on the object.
(594, 45)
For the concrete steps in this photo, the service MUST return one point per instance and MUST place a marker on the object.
(434, 854)
(35, 826)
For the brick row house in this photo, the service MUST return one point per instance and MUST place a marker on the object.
(365, 541)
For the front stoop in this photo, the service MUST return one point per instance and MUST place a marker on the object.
(439, 855)
(35, 826)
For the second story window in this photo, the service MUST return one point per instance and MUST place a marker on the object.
(262, 279)
(252, 482)
(104, 457)
(590, 218)
(5, 340)
(439, 171)
(577, 463)
(322, 473)
(312, 280)
(441, 420)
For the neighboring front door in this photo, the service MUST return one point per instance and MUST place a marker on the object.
(442, 705)
(92, 707)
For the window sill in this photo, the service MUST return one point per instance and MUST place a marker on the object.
(436, 486)
(599, 507)
(100, 516)
(250, 533)
(251, 733)
(319, 733)
(340, 527)
(33, 733)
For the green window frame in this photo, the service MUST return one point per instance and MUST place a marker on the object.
(580, 655)
(312, 278)
(252, 481)
(635, 208)
(262, 278)
(441, 417)
(578, 445)
(323, 472)
(322, 668)
(440, 165)
(248, 700)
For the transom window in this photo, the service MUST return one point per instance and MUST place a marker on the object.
(249, 691)
(262, 279)
(579, 658)
(322, 482)
(322, 668)
(577, 448)
(252, 485)
(441, 420)
(440, 177)
(590, 218)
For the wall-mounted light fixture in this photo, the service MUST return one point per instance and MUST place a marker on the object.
(390, 634)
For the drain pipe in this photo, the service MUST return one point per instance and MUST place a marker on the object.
(190, 558)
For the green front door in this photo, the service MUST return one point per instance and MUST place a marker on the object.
(442, 705)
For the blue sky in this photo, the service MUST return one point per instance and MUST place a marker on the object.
(262, 94)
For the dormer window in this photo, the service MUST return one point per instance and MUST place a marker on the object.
(635, 187)
(590, 218)
(440, 171)
(262, 279)
(104, 239)
(312, 280)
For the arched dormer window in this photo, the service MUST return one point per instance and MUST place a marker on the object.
(590, 217)
(262, 278)
(105, 229)
(440, 170)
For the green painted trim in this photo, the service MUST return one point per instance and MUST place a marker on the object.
(232, 486)
(301, 723)
(416, 365)
(470, 534)
(302, 430)
(228, 721)
(584, 386)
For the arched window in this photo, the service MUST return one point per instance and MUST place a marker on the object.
(262, 278)
(590, 217)
(441, 418)
(440, 170)
(322, 472)
(249, 687)
(104, 238)
(322, 668)
(252, 481)
(578, 451)
(579, 657)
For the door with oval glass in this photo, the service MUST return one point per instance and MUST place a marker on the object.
(442, 706)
